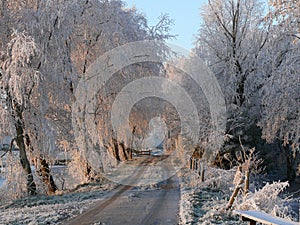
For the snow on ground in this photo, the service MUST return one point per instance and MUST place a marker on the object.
(200, 203)
(51, 209)
(204, 203)
(205, 206)
(42, 214)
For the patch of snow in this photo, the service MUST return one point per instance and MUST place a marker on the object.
(51, 209)
(205, 202)
(205, 206)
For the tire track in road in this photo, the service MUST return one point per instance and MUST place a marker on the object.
(169, 187)
(110, 210)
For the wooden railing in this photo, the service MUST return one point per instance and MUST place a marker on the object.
(256, 216)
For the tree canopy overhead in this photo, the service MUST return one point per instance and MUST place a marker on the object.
(45, 48)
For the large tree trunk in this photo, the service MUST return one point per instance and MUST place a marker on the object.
(122, 152)
(47, 177)
(31, 187)
(44, 171)
(119, 150)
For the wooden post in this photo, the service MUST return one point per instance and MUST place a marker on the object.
(246, 187)
(193, 165)
(202, 172)
(235, 192)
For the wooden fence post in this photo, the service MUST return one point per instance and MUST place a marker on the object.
(202, 172)
(246, 187)
(235, 192)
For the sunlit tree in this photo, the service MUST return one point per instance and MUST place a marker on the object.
(19, 79)
(231, 40)
(66, 37)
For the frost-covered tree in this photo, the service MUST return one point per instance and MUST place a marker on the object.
(286, 14)
(111, 26)
(70, 35)
(46, 121)
(280, 94)
(256, 59)
(19, 79)
(231, 40)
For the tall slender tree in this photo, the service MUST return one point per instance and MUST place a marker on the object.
(18, 81)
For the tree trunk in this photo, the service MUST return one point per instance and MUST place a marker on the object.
(290, 162)
(47, 177)
(202, 170)
(122, 152)
(31, 187)
(119, 150)
(88, 172)
(44, 172)
(235, 192)
(128, 153)
(114, 145)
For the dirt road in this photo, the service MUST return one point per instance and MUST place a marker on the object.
(135, 205)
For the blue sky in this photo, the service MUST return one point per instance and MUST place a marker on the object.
(186, 16)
